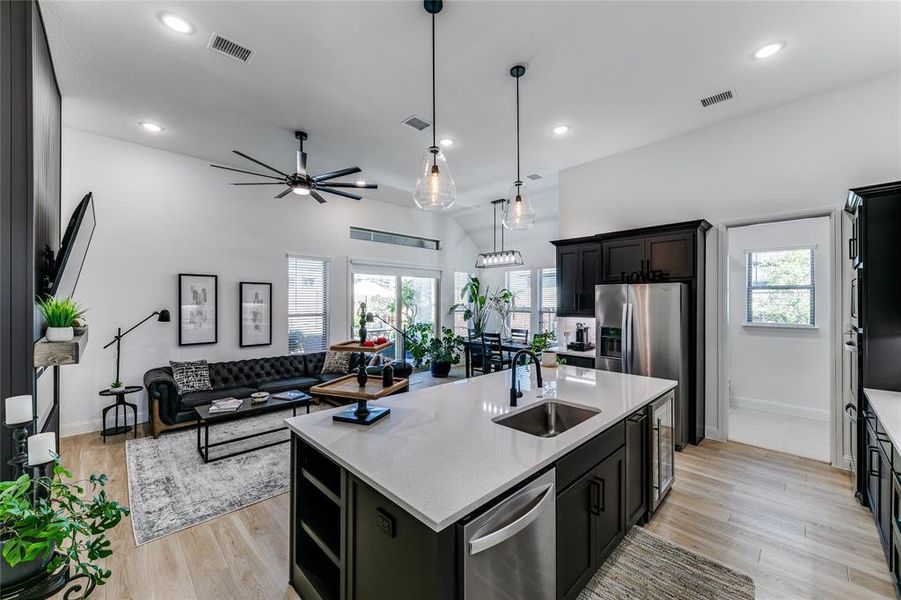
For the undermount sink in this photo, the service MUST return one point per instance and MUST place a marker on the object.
(547, 419)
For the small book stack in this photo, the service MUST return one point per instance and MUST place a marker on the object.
(225, 405)
(289, 395)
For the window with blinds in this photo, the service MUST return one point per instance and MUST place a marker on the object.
(520, 284)
(547, 300)
(461, 327)
(781, 287)
(308, 306)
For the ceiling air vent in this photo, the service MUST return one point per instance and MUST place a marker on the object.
(230, 49)
(716, 98)
(416, 123)
(534, 176)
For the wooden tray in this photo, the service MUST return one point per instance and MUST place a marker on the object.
(354, 346)
(347, 387)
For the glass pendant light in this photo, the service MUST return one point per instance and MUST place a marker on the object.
(519, 214)
(435, 189)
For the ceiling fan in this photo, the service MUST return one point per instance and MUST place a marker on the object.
(301, 182)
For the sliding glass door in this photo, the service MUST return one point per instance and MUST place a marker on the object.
(395, 299)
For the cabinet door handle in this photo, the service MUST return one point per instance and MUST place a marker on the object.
(870, 470)
(851, 242)
(597, 496)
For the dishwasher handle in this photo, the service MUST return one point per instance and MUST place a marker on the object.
(494, 538)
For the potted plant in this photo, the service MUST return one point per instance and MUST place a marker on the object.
(45, 522)
(475, 305)
(61, 316)
(541, 343)
(117, 386)
(440, 353)
(503, 303)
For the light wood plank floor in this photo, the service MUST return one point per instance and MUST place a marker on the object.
(790, 523)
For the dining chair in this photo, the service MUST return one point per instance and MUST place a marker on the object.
(493, 358)
(519, 336)
(475, 352)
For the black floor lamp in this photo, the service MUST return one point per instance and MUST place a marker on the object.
(403, 335)
(161, 315)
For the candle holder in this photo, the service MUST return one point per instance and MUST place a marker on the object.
(20, 447)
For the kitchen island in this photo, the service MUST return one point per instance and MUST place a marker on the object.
(380, 511)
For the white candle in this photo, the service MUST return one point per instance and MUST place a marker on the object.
(18, 410)
(41, 448)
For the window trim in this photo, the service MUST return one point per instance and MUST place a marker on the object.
(530, 310)
(812, 287)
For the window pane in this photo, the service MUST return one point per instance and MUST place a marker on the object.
(461, 327)
(379, 294)
(307, 304)
(418, 300)
(520, 284)
(781, 267)
(547, 300)
(785, 306)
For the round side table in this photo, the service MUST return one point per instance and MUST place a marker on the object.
(120, 401)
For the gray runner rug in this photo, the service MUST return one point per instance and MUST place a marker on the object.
(646, 566)
(170, 488)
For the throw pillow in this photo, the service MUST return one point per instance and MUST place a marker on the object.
(191, 376)
(378, 360)
(336, 362)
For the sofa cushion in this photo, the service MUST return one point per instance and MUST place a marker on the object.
(314, 362)
(326, 377)
(191, 376)
(283, 385)
(193, 399)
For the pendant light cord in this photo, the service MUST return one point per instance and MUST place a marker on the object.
(494, 228)
(434, 118)
(517, 134)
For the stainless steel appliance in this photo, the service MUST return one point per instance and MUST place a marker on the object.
(662, 452)
(509, 551)
(642, 329)
(583, 339)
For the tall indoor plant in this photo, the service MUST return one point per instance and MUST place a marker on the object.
(475, 304)
(440, 353)
(45, 522)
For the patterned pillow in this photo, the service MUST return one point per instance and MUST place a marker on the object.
(336, 362)
(378, 360)
(191, 376)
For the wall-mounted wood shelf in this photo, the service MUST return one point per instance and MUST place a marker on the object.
(54, 354)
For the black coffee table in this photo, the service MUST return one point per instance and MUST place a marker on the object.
(247, 409)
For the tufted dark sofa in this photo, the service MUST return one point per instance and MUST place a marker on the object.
(238, 378)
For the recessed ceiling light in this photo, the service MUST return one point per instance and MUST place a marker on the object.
(151, 126)
(561, 129)
(769, 50)
(446, 142)
(359, 183)
(176, 23)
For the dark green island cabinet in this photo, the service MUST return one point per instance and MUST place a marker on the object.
(348, 541)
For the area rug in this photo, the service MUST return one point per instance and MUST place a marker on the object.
(649, 567)
(170, 488)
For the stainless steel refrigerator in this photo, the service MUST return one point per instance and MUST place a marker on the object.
(642, 329)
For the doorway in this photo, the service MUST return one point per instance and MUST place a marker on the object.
(779, 347)
(395, 300)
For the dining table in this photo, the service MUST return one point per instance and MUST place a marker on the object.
(506, 346)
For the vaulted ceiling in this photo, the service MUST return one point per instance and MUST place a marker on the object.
(621, 74)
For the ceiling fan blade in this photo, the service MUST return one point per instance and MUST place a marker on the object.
(285, 193)
(365, 186)
(302, 162)
(262, 164)
(247, 172)
(318, 198)
(336, 174)
(261, 183)
(340, 193)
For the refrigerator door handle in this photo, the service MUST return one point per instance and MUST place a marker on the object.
(624, 342)
(628, 335)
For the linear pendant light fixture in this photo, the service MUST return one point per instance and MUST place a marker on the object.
(434, 190)
(504, 258)
(519, 214)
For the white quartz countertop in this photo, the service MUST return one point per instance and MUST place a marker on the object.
(586, 353)
(888, 408)
(439, 455)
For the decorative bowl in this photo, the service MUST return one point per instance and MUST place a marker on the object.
(258, 397)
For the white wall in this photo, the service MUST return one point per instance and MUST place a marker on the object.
(795, 157)
(160, 214)
(780, 369)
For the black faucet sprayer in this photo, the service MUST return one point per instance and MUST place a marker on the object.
(515, 392)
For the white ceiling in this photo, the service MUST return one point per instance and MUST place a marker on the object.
(622, 74)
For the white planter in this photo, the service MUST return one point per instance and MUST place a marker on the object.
(548, 359)
(60, 334)
(117, 389)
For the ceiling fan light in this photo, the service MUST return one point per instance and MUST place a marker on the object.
(519, 214)
(301, 190)
(434, 189)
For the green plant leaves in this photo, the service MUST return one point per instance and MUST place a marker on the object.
(60, 312)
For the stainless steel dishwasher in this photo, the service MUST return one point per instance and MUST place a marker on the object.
(510, 550)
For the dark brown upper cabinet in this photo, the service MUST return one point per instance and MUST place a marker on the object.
(578, 271)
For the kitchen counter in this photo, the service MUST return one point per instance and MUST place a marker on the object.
(438, 454)
(888, 408)
(585, 354)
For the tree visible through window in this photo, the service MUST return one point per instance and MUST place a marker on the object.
(781, 287)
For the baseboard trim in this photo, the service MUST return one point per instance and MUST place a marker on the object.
(779, 408)
(92, 425)
(714, 433)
